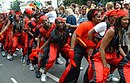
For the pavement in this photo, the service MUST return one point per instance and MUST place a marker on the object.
(17, 72)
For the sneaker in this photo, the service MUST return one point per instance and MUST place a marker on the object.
(31, 67)
(28, 62)
(15, 54)
(81, 68)
(3, 53)
(17, 49)
(43, 77)
(38, 74)
(112, 78)
(58, 61)
(23, 59)
(9, 57)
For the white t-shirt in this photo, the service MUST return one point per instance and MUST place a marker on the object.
(51, 15)
(101, 28)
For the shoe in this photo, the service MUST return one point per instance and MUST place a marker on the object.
(9, 57)
(3, 53)
(43, 77)
(58, 61)
(38, 74)
(15, 54)
(112, 78)
(28, 62)
(17, 49)
(81, 68)
(31, 67)
(23, 59)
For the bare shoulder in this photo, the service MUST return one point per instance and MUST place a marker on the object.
(110, 31)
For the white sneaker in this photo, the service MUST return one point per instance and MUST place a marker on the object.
(17, 49)
(15, 54)
(23, 59)
(81, 68)
(31, 67)
(3, 53)
(58, 61)
(112, 78)
(9, 57)
(43, 77)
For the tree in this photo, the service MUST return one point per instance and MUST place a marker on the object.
(80, 2)
(15, 5)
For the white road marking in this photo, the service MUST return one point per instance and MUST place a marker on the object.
(13, 80)
(1, 65)
(51, 76)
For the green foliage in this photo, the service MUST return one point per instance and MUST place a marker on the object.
(68, 2)
(15, 5)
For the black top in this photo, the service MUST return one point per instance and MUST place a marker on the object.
(60, 40)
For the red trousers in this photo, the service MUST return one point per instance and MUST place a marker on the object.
(95, 71)
(20, 42)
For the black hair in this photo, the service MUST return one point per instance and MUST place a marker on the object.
(118, 22)
(91, 14)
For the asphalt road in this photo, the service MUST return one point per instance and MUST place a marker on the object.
(16, 72)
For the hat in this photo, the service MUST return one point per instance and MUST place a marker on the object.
(43, 17)
(122, 13)
(60, 18)
(29, 11)
(111, 13)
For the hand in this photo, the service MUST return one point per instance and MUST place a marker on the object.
(90, 52)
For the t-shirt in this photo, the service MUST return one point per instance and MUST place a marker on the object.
(51, 15)
(101, 28)
(82, 32)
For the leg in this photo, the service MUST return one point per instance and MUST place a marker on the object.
(124, 69)
(73, 74)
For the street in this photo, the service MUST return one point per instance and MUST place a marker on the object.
(16, 72)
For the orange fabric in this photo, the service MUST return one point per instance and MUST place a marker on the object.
(34, 53)
(126, 72)
(8, 38)
(60, 18)
(69, 53)
(32, 5)
(20, 41)
(26, 22)
(1, 37)
(82, 32)
(111, 13)
(101, 72)
(43, 17)
(46, 33)
(122, 13)
(106, 72)
(65, 73)
(29, 11)
(52, 57)
(31, 43)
